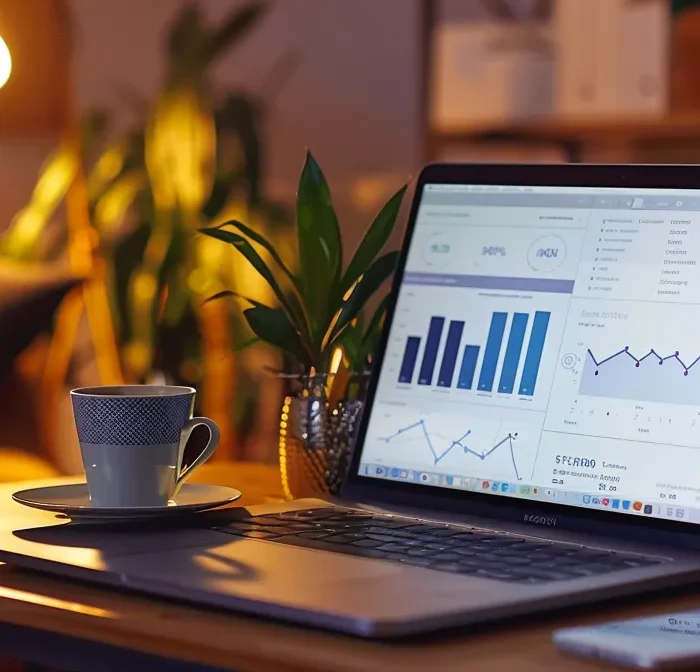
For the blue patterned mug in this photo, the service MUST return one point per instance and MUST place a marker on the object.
(132, 440)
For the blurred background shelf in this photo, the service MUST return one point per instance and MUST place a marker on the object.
(561, 80)
(582, 139)
(679, 126)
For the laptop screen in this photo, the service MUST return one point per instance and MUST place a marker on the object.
(545, 346)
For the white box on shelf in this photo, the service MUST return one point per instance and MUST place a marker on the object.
(490, 73)
(612, 57)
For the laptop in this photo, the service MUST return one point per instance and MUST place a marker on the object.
(531, 436)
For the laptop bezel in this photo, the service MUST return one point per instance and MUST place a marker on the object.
(438, 499)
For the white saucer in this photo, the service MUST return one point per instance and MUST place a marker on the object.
(74, 502)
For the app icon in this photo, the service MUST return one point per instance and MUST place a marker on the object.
(637, 506)
(605, 501)
(404, 474)
(494, 486)
(485, 485)
(586, 499)
(394, 473)
(524, 489)
(626, 504)
(669, 511)
(380, 471)
(680, 513)
(512, 488)
(504, 487)
(535, 491)
(615, 503)
(425, 477)
(449, 480)
(648, 509)
(595, 500)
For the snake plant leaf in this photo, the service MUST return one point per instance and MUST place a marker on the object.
(243, 246)
(368, 284)
(231, 29)
(373, 241)
(225, 294)
(350, 340)
(273, 326)
(374, 327)
(270, 328)
(264, 243)
(370, 338)
(319, 243)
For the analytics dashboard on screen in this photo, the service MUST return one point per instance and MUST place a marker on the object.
(545, 345)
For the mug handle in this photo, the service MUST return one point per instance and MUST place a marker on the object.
(214, 437)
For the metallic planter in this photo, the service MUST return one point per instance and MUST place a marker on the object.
(316, 438)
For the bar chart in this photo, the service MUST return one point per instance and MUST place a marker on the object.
(499, 360)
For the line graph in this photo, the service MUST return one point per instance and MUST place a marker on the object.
(439, 456)
(652, 353)
(650, 377)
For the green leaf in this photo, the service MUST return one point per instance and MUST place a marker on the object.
(232, 28)
(264, 243)
(255, 260)
(320, 251)
(375, 323)
(370, 339)
(274, 327)
(368, 284)
(271, 325)
(226, 294)
(373, 241)
(350, 341)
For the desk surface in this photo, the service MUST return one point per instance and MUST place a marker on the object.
(231, 641)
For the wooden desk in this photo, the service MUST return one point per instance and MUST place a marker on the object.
(84, 613)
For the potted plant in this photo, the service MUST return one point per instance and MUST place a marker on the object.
(317, 321)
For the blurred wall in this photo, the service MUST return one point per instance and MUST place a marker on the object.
(354, 98)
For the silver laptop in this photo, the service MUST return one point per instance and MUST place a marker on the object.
(531, 437)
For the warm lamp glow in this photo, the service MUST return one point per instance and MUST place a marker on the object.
(5, 63)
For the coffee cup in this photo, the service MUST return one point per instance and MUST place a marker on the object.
(132, 440)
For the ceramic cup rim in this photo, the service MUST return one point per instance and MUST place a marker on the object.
(126, 391)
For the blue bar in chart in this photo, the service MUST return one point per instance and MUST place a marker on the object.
(466, 371)
(531, 368)
(513, 350)
(410, 355)
(427, 367)
(449, 357)
(492, 351)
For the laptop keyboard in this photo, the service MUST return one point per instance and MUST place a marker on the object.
(446, 548)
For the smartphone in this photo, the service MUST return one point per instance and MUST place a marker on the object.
(668, 642)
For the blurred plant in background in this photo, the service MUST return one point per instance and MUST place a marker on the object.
(193, 159)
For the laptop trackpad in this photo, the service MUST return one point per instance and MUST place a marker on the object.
(229, 561)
